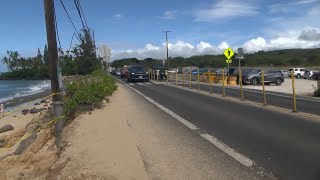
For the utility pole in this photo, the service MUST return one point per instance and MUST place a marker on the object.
(167, 45)
(53, 64)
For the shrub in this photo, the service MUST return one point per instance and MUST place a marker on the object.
(317, 93)
(87, 91)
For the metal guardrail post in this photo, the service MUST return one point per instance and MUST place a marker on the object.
(209, 76)
(176, 78)
(240, 83)
(223, 85)
(190, 79)
(264, 90)
(198, 79)
(167, 76)
(294, 93)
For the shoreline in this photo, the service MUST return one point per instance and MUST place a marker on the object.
(20, 101)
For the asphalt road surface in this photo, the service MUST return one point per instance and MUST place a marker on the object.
(284, 145)
(304, 104)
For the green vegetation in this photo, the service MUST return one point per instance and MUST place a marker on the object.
(87, 92)
(80, 60)
(316, 93)
(277, 58)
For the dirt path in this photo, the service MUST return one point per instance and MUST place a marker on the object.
(101, 146)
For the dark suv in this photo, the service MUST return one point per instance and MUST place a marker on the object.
(270, 76)
(138, 73)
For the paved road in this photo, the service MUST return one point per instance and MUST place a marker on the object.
(286, 146)
(304, 104)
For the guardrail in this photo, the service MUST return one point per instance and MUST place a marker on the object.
(209, 78)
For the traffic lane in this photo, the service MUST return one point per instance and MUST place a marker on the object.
(171, 150)
(286, 146)
(274, 99)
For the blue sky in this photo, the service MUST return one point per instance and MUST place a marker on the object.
(134, 28)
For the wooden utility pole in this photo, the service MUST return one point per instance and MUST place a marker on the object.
(53, 64)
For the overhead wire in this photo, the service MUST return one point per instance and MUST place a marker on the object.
(79, 12)
(84, 18)
(74, 27)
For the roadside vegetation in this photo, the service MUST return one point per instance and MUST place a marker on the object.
(81, 60)
(277, 58)
(87, 92)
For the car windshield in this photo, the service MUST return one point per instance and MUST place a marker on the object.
(137, 68)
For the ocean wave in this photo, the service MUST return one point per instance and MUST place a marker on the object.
(28, 90)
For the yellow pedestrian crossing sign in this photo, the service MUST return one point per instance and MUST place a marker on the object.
(228, 53)
(228, 61)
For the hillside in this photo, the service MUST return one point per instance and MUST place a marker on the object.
(276, 58)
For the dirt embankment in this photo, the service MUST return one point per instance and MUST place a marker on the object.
(97, 145)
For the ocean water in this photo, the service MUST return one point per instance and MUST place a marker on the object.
(10, 90)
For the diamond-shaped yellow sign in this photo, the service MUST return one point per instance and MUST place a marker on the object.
(228, 53)
(228, 61)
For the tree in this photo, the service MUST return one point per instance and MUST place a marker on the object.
(85, 57)
(45, 55)
(39, 55)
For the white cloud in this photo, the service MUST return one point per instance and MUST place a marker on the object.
(225, 9)
(306, 1)
(169, 15)
(223, 45)
(118, 16)
(255, 45)
(306, 38)
(179, 48)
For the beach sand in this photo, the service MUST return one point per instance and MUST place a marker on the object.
(19, 121)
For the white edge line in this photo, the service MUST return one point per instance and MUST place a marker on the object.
(231, 152)
(223, 147)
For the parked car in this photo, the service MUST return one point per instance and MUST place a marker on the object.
(244, 72)
(308, 74)
(316, 76)
(270, 76)
(124, 72)
(285, 73)
(161, 70)
(298, 72)
(118, 72)
(138, 73)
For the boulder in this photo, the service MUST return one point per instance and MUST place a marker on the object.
(13, 138)
(43, 101)
(6, 128)
(35, 110)
(32, 127)
(36, 104)
(25, 111)
(25, 144)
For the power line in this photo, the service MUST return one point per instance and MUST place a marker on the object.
(79, 12)
(84, 18)
(65, 9)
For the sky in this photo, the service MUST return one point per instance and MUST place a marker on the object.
(135, 28)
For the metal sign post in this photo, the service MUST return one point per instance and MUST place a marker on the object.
(106, 54)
